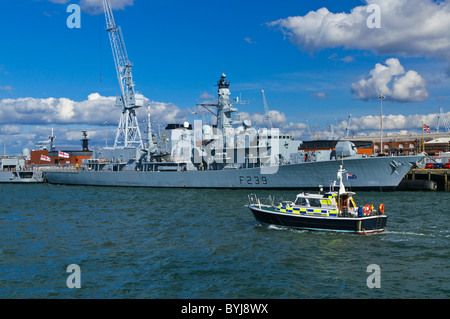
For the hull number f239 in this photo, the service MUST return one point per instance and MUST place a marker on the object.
(253, 180)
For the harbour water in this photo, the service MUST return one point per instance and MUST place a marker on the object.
(204, 244)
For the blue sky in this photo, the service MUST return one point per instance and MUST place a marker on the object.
(316, 61)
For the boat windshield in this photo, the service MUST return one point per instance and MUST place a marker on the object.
(301, 201)
(314, 202)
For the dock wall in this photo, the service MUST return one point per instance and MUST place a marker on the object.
(440, 176)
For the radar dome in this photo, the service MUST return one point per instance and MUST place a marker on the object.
(26, 152)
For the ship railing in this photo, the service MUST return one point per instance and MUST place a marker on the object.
(57, 169)
(254, 200)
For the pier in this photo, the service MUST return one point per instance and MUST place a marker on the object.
(440, 176)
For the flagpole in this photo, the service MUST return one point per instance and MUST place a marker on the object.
(423, 140)
(381, 97)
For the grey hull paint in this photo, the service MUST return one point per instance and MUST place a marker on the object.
(371, 173)
(11, 177)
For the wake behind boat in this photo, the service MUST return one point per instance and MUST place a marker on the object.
(331, 211)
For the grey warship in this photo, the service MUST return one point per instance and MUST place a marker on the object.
(224, 156)
(230, 154)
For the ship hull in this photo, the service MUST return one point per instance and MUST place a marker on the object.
(377, 173)
(363, 225)
(19, 177)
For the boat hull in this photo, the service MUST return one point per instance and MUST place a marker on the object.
(378, 173)
(361, 225)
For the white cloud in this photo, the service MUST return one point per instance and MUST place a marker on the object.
(59, 1)
(278, 118)
(346, 59)
(367, 126)
(96, 6)
(206, 96)
(7, 88)
(94, 111)
(394, 122)
(249, 40)
(408, 28)
(320, 95)
(391, 80)
(165, 113)
(29, 120)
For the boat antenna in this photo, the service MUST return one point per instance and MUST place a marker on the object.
(340, 175)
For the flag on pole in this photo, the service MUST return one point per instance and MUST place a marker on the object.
(426, 128)
(63, 154)
(45, 158)
(351, 176)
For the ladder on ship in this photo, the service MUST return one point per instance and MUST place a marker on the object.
(379, 222)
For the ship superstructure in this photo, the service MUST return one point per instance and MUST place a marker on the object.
(229, 144)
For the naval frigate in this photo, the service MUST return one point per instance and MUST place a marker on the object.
(225, 156)
(229, 154)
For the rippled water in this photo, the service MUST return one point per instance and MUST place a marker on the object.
(185, 243)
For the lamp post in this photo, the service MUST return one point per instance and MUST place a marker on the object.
(4, 142)
(381, 97)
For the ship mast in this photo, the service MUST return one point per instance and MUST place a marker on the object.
(223, 105)
(128, 133)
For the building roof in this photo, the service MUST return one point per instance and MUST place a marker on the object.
(440, 140)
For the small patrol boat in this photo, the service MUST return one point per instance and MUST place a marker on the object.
(331, 211)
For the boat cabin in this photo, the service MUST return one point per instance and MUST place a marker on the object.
(327, 200)
(328, 204)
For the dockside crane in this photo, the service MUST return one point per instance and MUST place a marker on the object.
(348, 125)
(442, 116)
(128, 133)
(309, 130)
(266, 110)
